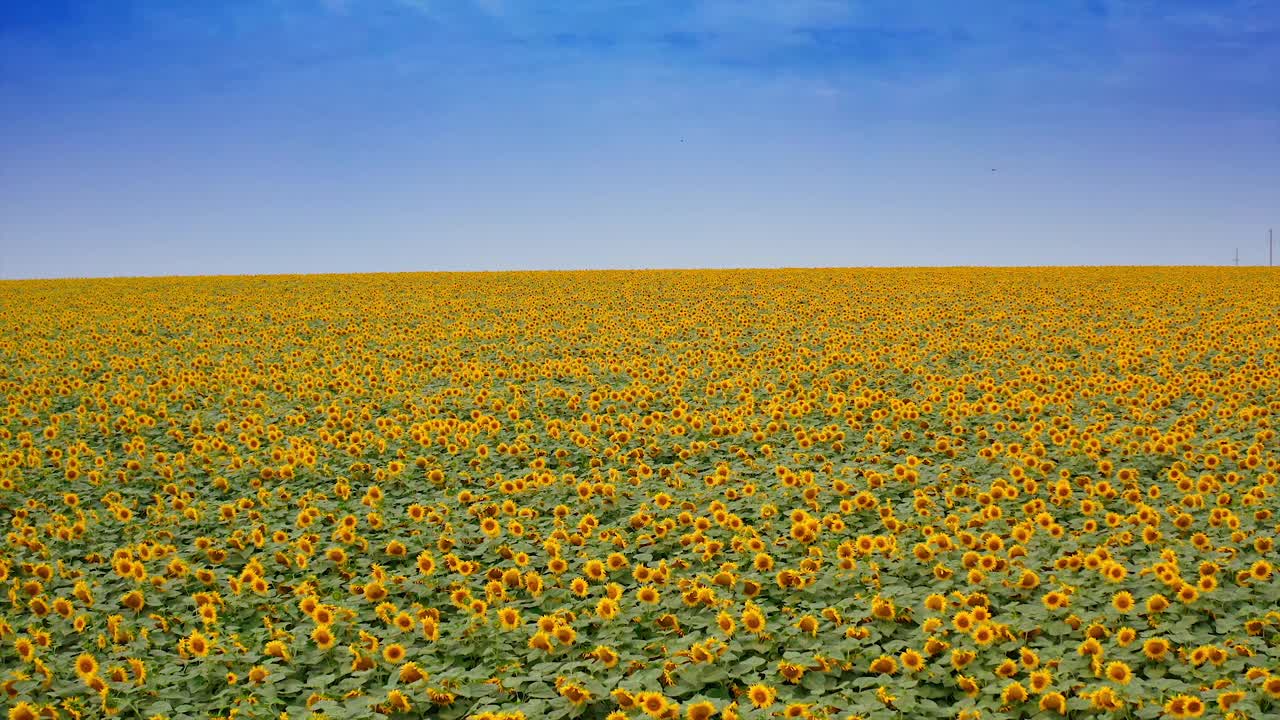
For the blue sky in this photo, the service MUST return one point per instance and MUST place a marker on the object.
(143, 137)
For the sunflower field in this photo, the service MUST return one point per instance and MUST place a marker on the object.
(945, 493)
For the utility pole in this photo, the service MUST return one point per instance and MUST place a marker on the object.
(1237, 257)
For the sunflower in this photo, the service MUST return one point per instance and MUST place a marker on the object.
(648, 595)
(1125, 636)
(883, 665)
(1040, 680)
(25, 648)
(509, 618)
(700, 711)
(1105, 699)
(276, 649)
(1090, 648)
(393, 653)
(323, 637)
(607, 608)
(808, 624)
(1028, 580)
(426, 563)
(23, 710)
(398, 702)
(1055, 600)
(1188, 594)
(625, 699)
(322, 614)
(374, 592)
(86, 665)
(1013, 693)
(761, 696)
(138, 669)
(912, 660)
(606, 655)
(1227, 699)
(540, 641)
(197, 644)
(565, 635)
(404, 622)
(883, 609)
(1155, 648)
(961, 658)
(1184, 706)
(797, 710)
(726, 623)
(791, 672)
(1054, 702)
(575, 694)
(1118, 672)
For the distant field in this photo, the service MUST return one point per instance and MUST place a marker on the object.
(939, 493)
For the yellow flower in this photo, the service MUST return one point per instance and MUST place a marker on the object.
(1155, 648)
(761, 696)
(86, 665)
(393, 653)
(607, 608)
(1055, 600)
(410, 673)
(1184, 706)
(1054, 702)
(23, 710)
(323, 637)
(1013, 693)
(575, 694)
(197, 644)
(884, 665)
(606, 655)
(398, 702)
(912, 660)
(1227, 699)
(1119, 672)
(699, 711)
(654, 704)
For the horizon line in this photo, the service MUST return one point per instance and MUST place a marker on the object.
(584, 270)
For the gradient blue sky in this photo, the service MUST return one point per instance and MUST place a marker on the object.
(144, 137)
